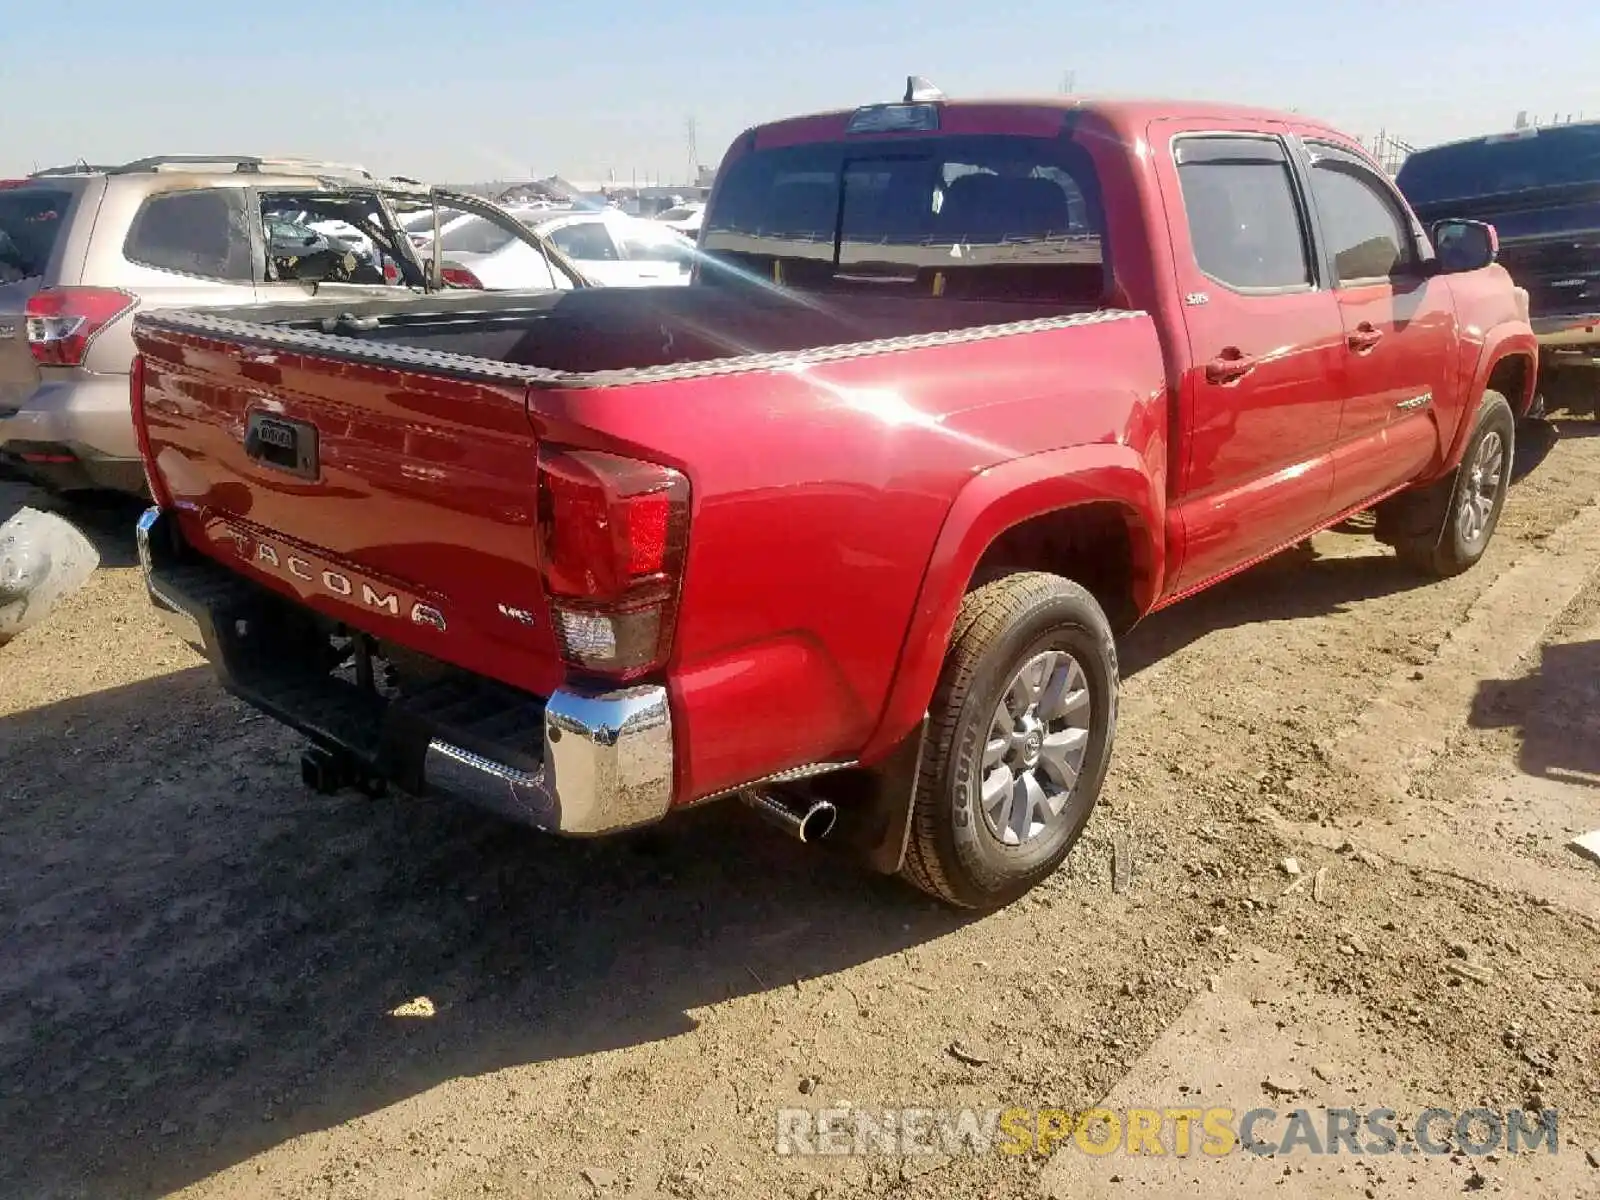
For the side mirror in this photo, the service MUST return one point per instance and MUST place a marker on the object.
(1465, 245)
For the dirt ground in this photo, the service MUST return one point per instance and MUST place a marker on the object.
(201, 963)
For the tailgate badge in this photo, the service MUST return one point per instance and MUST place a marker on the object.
(520, 615)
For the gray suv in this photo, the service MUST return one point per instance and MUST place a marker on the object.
(81, 249)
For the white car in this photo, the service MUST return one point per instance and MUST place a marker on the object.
(684, 219)
(610, 249)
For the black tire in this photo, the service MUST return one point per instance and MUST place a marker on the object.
(1426, 527)
(954, 852)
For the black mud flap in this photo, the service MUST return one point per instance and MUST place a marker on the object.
(875, 817)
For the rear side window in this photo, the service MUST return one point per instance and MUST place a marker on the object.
(1244, 215)
(972, 215)
(31, 219)
(205, 233)
(586, 241)
(474, 236)
(642, 243)
(1361, 222)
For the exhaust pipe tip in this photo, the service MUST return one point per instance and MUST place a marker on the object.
(804, 818)
(818, 821)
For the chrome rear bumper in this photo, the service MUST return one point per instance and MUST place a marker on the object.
(606, 758)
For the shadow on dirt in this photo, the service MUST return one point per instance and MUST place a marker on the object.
(198, 958)
(1298, 583)
(1294, 585)
(1556, 710)
(105, 518)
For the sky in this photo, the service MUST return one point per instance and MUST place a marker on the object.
(476, 90)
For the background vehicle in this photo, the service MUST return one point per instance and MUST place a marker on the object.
(684, 218)
(611, 249)
(1540, 188)
(81, 250)
(849, 527)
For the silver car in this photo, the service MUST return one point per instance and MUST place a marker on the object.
(80, 250)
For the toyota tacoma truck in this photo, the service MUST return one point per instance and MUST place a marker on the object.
(847, 528)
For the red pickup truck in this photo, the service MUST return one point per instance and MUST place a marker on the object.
(848, 527)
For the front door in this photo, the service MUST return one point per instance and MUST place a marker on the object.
(1258, 409)
(1399, 328)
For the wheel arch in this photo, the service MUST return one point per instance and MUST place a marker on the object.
(1100, 504)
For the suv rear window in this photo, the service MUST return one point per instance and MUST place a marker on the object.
(1558, 156)
(987, 215)
(31, 219)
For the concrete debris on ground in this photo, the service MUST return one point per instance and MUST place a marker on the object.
(1588, 845)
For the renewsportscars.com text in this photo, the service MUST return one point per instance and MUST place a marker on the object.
(1179, 1131)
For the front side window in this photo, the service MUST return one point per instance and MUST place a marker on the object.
(337, 237)
(203, 233)
(971, 215)
(1360, 220)
(1244, 218)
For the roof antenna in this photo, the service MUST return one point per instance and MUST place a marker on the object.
(919, 89)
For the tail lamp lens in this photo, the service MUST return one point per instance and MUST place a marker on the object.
(613, 532)
(63, 321)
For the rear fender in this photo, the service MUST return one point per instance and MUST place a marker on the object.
(991, 503)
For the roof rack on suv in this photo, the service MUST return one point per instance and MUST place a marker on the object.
(78, 168)
(242, 163)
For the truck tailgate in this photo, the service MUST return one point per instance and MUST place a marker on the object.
(399, 502)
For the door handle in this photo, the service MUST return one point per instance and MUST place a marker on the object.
(1230, 366)
(1364, 337)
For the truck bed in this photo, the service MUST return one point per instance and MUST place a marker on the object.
(593, 336)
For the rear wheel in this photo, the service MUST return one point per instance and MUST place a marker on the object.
(1445, 529)
(1019, 741)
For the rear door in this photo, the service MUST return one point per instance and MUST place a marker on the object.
(1395, 368)
(657, 255)
(1258, 401)
(589, 244)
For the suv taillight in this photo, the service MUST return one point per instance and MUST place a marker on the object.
(63, 321)
(613, 533)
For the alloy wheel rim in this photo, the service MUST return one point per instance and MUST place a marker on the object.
(1484, 480)
(1033, 754)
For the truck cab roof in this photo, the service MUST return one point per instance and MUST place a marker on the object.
(1129, 117)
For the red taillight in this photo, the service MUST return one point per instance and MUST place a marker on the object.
(460, 277)
(613, 532)
(63, 321)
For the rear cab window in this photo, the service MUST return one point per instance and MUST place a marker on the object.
(979, 216)
(33, 220)
(1525, 160)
